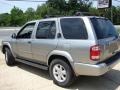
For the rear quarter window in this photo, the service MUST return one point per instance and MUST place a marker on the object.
(73, 28)
(103, 28)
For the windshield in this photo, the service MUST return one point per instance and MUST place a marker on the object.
(103, 28)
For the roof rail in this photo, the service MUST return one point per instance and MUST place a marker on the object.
(51, 16)
(83, 14)
(76, 14)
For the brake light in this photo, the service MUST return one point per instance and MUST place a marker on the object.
(95, 52)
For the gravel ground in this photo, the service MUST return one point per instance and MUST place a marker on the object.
(23, 77)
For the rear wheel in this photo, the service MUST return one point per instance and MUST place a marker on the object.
(61, 73)
(9, 58)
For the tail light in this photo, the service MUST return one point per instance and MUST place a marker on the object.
(95, 52)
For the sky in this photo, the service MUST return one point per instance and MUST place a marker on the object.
(6, 6)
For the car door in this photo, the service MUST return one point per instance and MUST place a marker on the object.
(45, 40)
(23, 41)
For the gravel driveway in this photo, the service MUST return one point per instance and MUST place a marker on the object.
(23, 77)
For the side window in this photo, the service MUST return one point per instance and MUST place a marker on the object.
(26, 31)
(46, 30)
(103, 28)
(73, 28)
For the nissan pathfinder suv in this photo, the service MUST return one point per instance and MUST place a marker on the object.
(65, 46)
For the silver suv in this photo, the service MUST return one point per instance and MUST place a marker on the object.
(66, 46)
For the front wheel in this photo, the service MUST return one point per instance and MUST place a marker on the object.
(61, 73)
(9, 58)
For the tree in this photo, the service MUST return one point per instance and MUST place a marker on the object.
(42, 11)
(118, 15)
(17, 17)
(30, 14)
(4, 19)
(71, 7)
(57, 7)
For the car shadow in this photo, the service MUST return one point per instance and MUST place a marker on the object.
(34, 70)
(109, 81)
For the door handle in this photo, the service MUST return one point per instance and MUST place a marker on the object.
(29, 42)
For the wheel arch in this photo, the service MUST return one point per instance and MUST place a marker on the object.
(61, 55)
(6, 45)
(3, 48)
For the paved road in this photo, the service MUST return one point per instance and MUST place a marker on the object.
(23, 77)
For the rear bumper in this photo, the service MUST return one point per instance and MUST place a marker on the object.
(98, 69)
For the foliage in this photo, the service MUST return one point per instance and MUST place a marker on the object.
(30, 14)
(16, 17)
(56, 7)
(107, 13)
(4, 19)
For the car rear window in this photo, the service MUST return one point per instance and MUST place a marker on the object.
(73, 28)
(103, 28)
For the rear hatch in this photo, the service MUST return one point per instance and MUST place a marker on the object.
(107, 37)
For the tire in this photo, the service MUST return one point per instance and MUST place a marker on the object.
(66, 78)
(9, 58)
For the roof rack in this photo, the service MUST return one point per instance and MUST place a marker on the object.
(83, 14)
(76, 14)
(51, 16)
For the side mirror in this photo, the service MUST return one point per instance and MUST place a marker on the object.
(14, 36)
